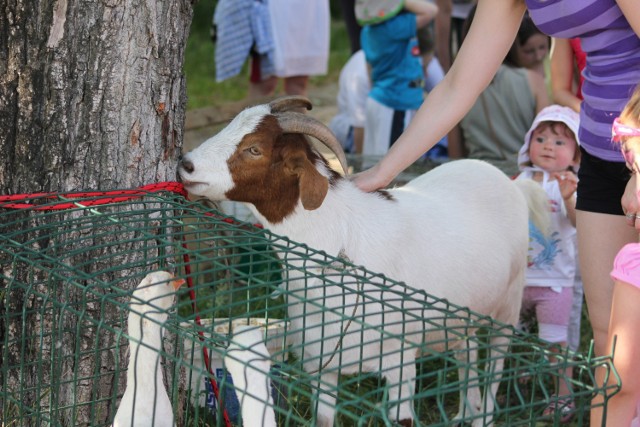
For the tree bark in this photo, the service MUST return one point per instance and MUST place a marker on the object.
(92, 96)
(92, 93)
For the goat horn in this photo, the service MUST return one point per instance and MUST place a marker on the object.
(287, 103)
(292, 122)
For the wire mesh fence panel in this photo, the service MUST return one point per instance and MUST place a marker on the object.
(343, 343)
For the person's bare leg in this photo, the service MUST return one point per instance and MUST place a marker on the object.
(563, 387)
(296, 85)
(265, 87)
(358, 140)
(600, 237)
(455, 149)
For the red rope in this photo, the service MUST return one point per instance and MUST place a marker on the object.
(117, 196)
(205, 352)
(100, 197)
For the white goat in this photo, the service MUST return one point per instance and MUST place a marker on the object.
(459, 232)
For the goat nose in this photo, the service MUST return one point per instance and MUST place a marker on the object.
(187, 165)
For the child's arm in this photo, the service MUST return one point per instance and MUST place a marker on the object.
(424, 10)
(631, 200)
(570, 206)
(631, 197)
(623, 327)
(568, 183)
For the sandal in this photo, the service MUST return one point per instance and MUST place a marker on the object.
(564, 407)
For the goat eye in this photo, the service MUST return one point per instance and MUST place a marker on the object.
(254, 151)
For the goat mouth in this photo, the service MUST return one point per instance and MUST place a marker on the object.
(191, 184)
(196, 188)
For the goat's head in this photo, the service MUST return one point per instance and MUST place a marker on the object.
(263, 157)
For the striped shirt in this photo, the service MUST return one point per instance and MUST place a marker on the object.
(613, 62)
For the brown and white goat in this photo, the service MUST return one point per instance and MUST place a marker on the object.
(459, 232)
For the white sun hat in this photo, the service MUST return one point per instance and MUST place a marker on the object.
(552, 113)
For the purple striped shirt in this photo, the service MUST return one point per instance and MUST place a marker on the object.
(613, 62)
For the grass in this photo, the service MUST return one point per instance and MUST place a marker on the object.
(199, 65)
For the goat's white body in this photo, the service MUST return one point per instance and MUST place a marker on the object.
(458, 232)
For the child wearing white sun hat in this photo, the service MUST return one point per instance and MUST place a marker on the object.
(551, 156)
(552, 113)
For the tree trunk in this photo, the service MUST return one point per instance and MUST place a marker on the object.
(92, 93)
(92, 96)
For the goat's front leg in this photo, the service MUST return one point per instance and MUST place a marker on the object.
(401, 378)
(470, 396)
(326, 402)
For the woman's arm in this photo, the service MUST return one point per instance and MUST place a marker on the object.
(477, 61)
(631, 11)
(562, 75)
(539, 90)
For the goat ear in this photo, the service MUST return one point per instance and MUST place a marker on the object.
(313, 186)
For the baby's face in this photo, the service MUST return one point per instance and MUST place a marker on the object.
(550, 151)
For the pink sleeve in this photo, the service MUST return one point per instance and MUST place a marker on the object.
(626, 266)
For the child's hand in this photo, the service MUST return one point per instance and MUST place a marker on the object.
(568, 183)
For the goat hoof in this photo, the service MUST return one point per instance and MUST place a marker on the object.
(406, 423)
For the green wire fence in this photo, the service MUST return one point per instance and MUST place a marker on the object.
(69, 264)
